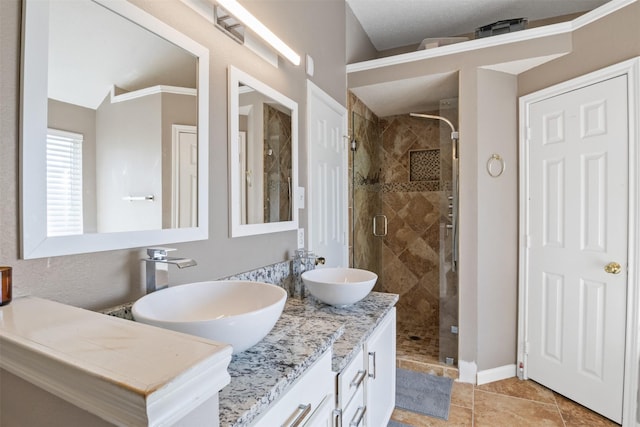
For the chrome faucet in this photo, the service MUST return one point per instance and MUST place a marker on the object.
(157, 267)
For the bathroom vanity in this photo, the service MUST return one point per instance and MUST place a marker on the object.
(321, 365)
(360, 340)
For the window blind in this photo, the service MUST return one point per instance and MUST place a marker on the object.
(64, 183)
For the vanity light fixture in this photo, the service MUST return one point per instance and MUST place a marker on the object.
(245, 17)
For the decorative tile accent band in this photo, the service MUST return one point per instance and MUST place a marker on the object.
(414, 186)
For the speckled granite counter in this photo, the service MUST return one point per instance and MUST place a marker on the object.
(305, 331)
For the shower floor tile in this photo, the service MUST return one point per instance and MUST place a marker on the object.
(417, 350)
(417, 342)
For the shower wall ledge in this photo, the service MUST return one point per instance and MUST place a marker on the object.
(500, 40)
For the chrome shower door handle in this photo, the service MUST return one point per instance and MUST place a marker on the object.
(375, 225)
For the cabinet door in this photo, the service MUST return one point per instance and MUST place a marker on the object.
(380, 354)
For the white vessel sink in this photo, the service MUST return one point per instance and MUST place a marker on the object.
(239, 313)
(339, 286)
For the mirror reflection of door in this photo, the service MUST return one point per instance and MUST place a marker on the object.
(185, 173)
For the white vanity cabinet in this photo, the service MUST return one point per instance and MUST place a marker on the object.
(367, 386)
(380, 354)
(309, 402)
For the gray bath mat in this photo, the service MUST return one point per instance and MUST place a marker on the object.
(423, 393)
(393, 423)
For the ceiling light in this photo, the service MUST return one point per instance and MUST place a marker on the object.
(244, 16)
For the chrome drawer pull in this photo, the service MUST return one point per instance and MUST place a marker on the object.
(357, 418)
(302, 411)
(357, 380)
(372, 372)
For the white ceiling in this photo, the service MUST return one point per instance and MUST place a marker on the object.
(396, 23)
(409, 95)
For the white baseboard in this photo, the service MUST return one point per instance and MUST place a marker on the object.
(496, 374)
(467, 372)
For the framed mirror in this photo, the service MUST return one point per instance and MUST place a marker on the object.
(114, 132)
(263, 157)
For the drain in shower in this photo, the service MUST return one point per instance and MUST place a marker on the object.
(415, 337)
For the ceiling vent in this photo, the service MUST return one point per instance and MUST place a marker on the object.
(501, 27)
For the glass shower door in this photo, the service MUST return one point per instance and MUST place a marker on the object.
(448, 308)
(368, 224)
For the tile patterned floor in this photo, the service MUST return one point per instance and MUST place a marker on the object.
(506, 403)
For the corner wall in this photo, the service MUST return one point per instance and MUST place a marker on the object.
(497, 220)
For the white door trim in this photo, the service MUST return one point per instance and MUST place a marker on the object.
(176, 130)
(631, 69)
(314, 91)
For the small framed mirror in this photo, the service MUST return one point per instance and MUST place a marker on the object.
(114, 138)
(263, 157)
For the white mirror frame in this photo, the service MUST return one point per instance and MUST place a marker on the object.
(238, 229)
(35, 243)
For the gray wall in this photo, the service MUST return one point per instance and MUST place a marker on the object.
(103, 279)
(50, 410)
(497, 290)
(359, 46)
(608, 41)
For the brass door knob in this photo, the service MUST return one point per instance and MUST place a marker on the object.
(613, 268)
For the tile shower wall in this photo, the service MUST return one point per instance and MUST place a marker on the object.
(410, 251)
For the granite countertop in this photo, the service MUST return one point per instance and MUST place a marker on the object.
(306, 329)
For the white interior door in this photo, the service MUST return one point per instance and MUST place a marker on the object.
(577, 218)
(327, 186)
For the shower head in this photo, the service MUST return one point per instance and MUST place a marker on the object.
(454, 133)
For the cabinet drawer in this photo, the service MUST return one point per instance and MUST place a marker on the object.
(350, 379)
(302, 399)
(354, 414)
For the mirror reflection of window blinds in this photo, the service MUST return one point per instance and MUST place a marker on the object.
(64, 183)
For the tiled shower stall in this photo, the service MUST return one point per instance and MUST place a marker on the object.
(400, 197)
